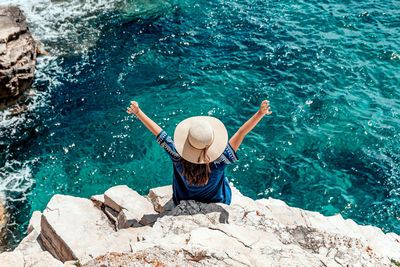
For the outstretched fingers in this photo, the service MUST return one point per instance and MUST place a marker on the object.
(133, 108)
(265, 108)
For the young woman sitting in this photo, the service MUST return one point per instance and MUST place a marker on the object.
(200, 152)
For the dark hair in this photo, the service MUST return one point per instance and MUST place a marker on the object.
(197, 174)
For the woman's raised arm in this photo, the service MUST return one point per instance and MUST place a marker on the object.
(149, 123)
(237, 138)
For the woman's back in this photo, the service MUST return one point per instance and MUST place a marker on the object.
(217, 187)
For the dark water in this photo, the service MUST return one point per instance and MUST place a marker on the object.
(330, 69)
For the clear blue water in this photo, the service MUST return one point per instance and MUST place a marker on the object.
(331, 70)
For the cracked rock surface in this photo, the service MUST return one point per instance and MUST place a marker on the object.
(18, 52)
(75, 231)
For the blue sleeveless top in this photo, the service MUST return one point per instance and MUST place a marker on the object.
(217, 188)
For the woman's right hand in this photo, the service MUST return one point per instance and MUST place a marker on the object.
(133, 108)
(264, 108)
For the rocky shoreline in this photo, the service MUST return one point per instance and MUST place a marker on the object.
(18, 52)
(123, 228)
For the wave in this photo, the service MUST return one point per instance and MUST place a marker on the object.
(72, 27)
(16, 124)
(16, 180)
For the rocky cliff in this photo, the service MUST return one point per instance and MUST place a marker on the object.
(18, 52)
(123, 228)
(3, 221)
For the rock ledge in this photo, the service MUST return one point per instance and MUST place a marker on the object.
(122, 228)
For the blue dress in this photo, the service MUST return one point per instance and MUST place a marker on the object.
(217, 188)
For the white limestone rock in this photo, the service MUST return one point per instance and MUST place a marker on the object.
(288, 245)
(42, 259)
(372, 238)
(219, 241)
(70, 225)
(118, 242)
(133, 209)
(265, 232)
(161, 198)
(34, 222)
(31, 244)
(12, 259)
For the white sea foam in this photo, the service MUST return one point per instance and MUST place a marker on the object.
(71, 27)
(57, 25)
(36, 98)
(15, 177)
(63, 26)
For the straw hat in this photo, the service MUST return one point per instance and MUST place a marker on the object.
(198, 136)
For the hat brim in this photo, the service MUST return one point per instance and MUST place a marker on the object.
(191, 154)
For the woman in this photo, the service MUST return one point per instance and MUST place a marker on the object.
(200, 152)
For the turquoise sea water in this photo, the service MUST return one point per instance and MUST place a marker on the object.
(331, 70)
